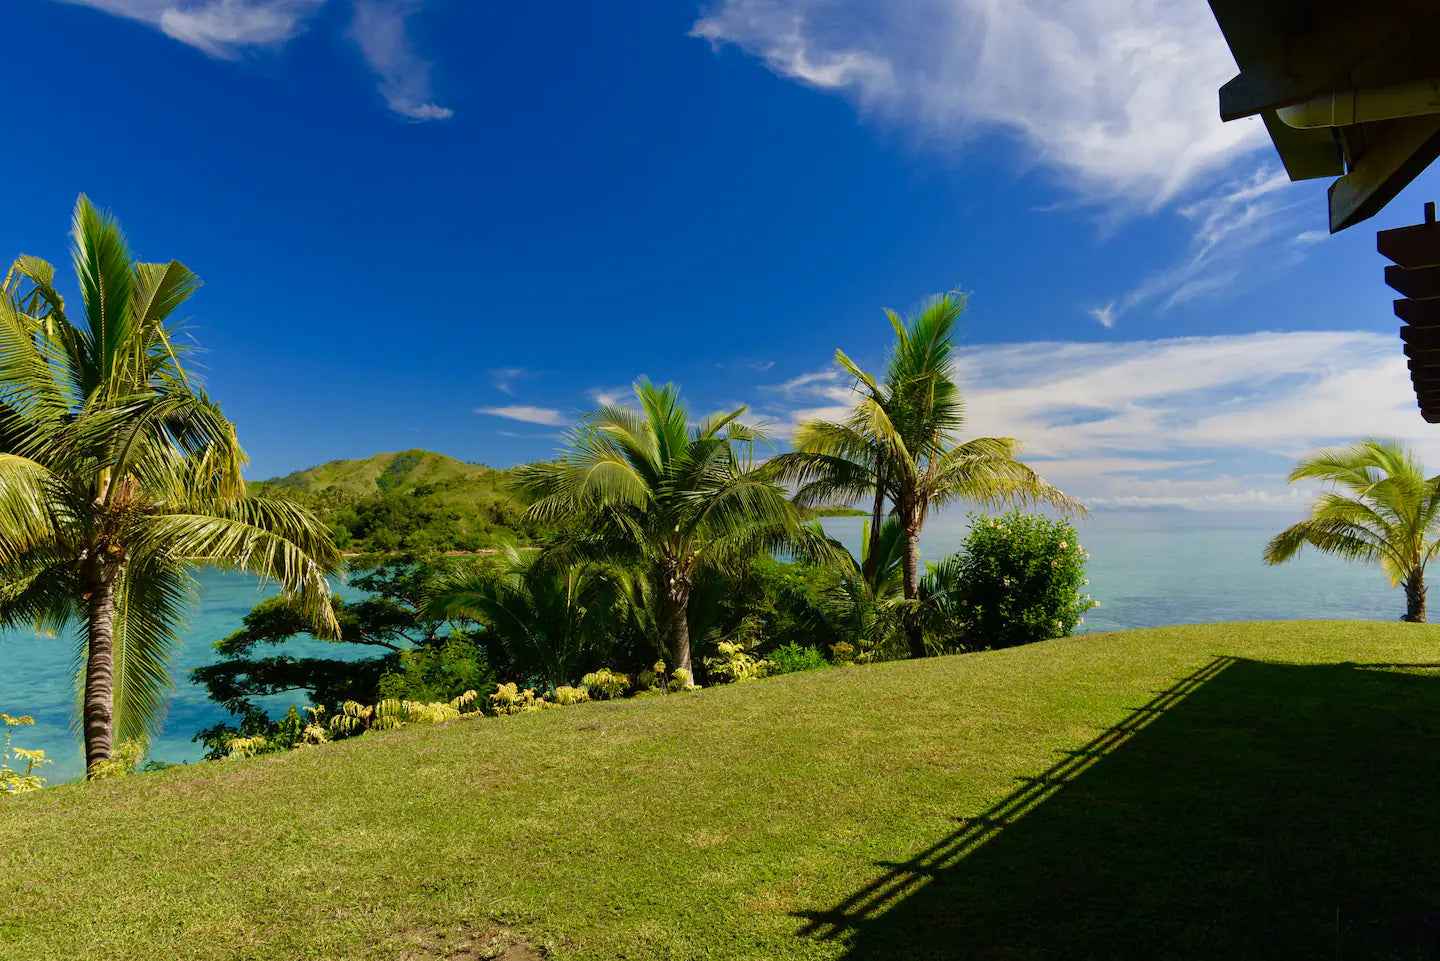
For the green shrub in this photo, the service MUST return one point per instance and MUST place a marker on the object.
(1018, 579)
(842, 653)
(14, 780)
(605, 684)
(565, 696)
(735, 662)
(792, 657)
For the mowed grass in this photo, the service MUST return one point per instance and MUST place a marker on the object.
(1279, 801)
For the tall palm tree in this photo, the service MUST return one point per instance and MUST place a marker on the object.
(119, 475)
(641, 487)
(549, 616)
(898, 446)
(1376, 505)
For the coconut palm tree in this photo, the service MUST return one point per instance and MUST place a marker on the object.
(1376, 505)
(641, 488)
(548, 616)
(898, 446)
(119, 475)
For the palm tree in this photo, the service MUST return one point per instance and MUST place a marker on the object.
(898, 446)
(642, 488)
(548, 616)
(865, 602)
(1376, 505)
(119, 475)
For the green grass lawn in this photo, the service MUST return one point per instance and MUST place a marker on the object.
(1227, 791)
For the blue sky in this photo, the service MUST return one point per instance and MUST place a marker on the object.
(454, 224)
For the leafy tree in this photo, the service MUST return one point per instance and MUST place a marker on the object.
(642, 488)
(898, 447)
(549, 616)
(120, 475)
(414, 655)
(1376, 506)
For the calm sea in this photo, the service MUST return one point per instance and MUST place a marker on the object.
(1147, 568)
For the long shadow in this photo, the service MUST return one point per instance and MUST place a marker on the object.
(1251, 810)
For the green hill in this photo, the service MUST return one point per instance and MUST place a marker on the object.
(414, 500)
(382, 473)
(1238, 791)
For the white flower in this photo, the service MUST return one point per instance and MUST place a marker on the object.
(1063, 545)
(1007, 582)
(1097, 603)
(1086, 582)
(1054, 563)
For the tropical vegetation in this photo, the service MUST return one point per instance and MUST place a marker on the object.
(641, 487)
(118, 474)
(899, 448)
(1375, 505)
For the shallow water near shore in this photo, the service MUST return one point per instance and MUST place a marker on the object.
(1148, 569)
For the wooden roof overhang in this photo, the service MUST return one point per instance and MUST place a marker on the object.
(1290, 51)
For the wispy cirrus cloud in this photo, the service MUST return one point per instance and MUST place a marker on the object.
(504, 379)
(1117, 97)
(1114, 98)
(525, 413)
(226, 29)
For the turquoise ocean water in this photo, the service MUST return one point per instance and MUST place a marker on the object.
(1147, 568)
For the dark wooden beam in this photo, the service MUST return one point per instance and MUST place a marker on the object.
(1311, 62)
(1419, 313)
(1400, 150)
(1414, 281)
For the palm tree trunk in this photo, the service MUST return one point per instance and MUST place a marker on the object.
(676, 626)
(911, 566)
(99, 702)
(1415, 597)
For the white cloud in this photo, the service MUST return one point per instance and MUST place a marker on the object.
(1197, 421)
(1117, 96)
(379, 29)
(609, 396)
(1312, 236)
(503, 378)
(1227, 227)
(228, 28)
(547, 416)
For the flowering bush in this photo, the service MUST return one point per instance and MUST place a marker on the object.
(1018, 579)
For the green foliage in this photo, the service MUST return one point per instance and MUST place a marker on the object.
(565, 696)
(13, 780)
(550, 616)
(354, 718)
(509, 698)
(119, 475)
(1018, 579)
(1376, 506)
(605, 684)
(791, 657)
(124, 761)
(735, 661)
(415, 501)
(842, 653)
(415, 656)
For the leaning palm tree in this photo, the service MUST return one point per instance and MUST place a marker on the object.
(643, 489)
(1376, 505)
(550, 617)
(118, 475)
(899, 446)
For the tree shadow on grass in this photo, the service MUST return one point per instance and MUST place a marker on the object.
(1252, 810)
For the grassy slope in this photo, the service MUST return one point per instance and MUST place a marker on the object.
(1287, 786)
